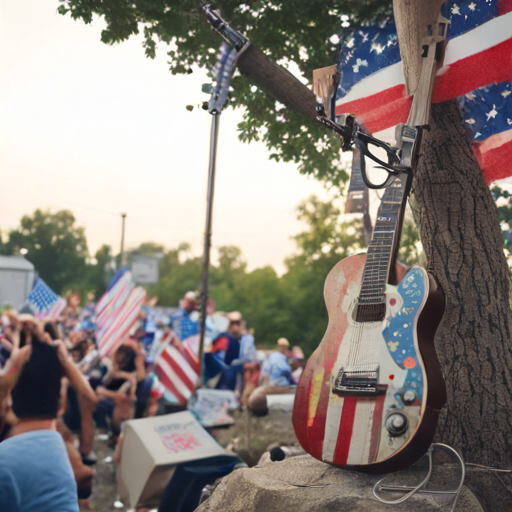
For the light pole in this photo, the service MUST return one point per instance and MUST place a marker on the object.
(122, 262)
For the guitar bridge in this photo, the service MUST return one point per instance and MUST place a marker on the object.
(359, 381)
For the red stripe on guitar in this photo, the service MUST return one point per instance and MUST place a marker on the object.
(301, 407)
(317, 431)
(345, 432)
(376, 426)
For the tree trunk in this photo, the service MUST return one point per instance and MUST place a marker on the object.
(460, 232)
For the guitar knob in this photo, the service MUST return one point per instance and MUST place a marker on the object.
(397, 424)
(409, 397)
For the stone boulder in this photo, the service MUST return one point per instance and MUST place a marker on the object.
(303, 484)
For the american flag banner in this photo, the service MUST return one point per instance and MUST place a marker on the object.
(117, 312)
(177, 368)
(44, 302)
(477, 69)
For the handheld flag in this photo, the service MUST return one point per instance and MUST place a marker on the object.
(44, 302)
(117, 312)
(177, 368)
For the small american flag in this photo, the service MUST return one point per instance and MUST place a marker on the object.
(177, 368)
(44, 302)
(117, 312)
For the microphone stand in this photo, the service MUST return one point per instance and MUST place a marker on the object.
(223, 71)
(214, 133)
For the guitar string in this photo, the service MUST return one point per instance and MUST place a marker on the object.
(396, 195)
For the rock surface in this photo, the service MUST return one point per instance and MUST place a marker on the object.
(303, 484)
(251, 436)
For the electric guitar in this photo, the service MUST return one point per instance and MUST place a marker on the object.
(370, 394)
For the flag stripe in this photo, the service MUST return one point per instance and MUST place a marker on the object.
(125, 319)
(496, 162)
(181, 389)
(166, 380)
(466, 75)
(190, 357)
(180, 367)
(504, 6)
(479, 39)
(111, 294)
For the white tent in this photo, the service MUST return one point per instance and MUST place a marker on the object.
(16, 280)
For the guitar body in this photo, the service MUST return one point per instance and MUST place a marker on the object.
(336, 419)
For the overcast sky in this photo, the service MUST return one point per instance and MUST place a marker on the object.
(101, 130)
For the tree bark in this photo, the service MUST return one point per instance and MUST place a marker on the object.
(460, 232)
(278, 82)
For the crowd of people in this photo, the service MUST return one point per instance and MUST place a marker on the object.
(56, 388)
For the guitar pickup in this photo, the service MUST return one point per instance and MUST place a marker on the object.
(359, 381)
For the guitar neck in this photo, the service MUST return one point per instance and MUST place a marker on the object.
(386, 235)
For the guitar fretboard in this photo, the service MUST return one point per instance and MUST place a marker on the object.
(380, 250)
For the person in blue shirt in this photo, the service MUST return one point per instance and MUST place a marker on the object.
(275, 370)
(35, 469)
(185, 322)
(232, 349)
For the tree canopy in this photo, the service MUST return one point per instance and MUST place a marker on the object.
(302, 35)
(57, 247)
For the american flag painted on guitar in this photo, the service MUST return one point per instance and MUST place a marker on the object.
(117, 312)
(477, 70)
(177, 368)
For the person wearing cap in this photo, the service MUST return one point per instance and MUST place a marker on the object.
(185, 322)
(275, 370)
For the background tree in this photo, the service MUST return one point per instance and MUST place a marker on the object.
(301, 34)
(55, 245)
(101, 272)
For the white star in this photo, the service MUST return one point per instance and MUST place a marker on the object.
(477, 134)
(493, 113)
(358, 64)
(364, 36)
(472, 6)
(456, 9)
(470, 96)
(509, 121)
(376, 47)
(505, 93)
(470, 121)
